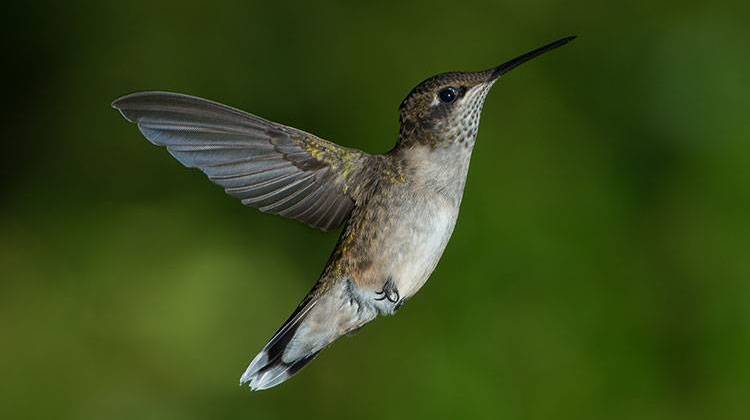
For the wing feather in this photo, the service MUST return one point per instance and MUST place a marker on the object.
(273, 167)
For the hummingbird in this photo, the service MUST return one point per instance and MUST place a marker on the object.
(398, 209)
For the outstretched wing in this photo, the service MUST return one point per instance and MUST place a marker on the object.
(272, 167)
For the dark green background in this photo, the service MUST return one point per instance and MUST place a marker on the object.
(599, 268)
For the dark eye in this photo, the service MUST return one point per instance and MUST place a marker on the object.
(447, 95)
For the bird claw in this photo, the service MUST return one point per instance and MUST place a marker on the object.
(389, 292)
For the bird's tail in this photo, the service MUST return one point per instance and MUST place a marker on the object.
(270, 368)
(315, 324)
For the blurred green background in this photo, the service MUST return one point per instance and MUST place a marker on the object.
(599, 268)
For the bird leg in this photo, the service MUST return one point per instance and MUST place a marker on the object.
(389, 292)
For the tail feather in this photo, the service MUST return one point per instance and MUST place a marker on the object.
(275, 373)
(315, 324)
(268, 368)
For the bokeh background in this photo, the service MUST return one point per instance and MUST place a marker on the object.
(599, 268)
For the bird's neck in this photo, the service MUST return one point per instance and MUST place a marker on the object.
(441, 167)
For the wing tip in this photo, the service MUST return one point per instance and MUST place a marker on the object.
(131, 101)
(121, 104)
(122, 101)
(117, 104)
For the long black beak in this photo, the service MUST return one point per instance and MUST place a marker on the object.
(510, 65)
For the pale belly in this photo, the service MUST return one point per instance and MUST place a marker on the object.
(414, 243)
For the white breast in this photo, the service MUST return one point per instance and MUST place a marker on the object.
(411, 243)
(421, 244)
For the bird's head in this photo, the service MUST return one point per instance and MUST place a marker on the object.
(445, 108)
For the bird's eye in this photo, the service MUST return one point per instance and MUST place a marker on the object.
(447, 95)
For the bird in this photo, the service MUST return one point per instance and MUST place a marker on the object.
(397, 210)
